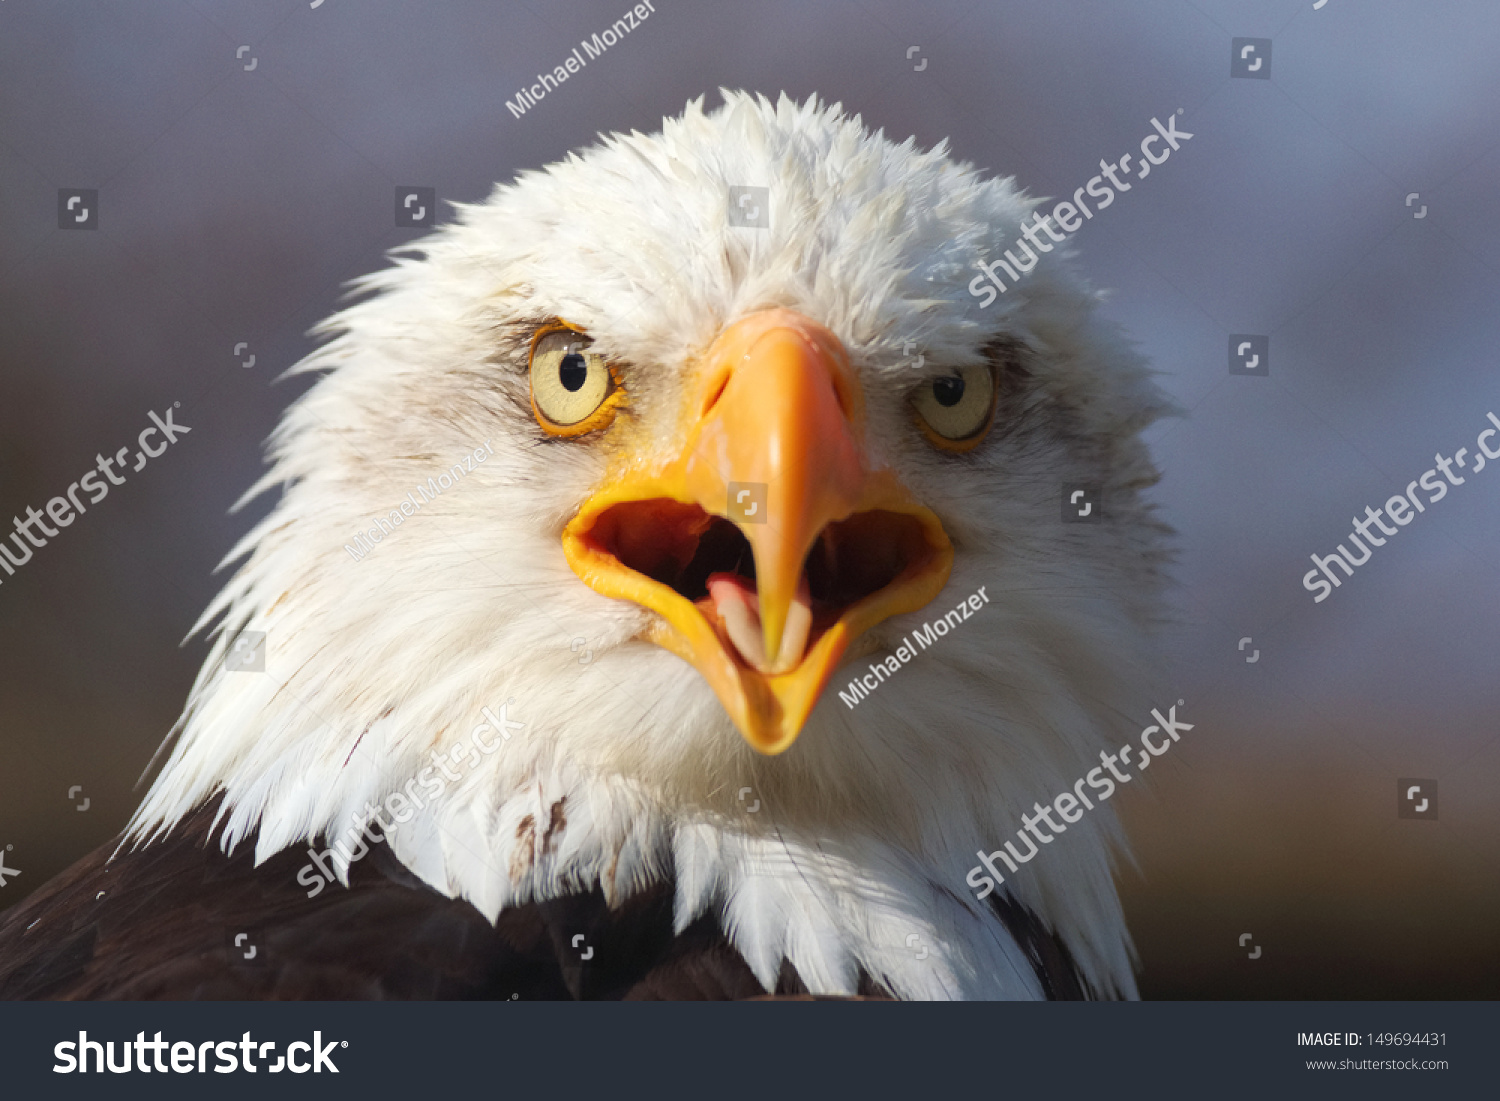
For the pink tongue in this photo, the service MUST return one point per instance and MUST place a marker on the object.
(738, 604)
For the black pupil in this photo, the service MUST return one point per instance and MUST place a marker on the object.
(948, 391)
(573, 372)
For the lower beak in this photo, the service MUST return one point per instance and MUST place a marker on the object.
(766, 545)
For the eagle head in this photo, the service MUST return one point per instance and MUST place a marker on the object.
(647, 456)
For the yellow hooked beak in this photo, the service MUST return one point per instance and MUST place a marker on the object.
(766, 544)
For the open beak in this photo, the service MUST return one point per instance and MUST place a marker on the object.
(766, 544)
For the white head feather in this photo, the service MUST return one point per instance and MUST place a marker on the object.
(866, 827)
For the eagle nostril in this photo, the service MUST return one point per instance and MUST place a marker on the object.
(716, 391)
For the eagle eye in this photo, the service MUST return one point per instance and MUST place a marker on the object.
(956, 411)
(573, 390)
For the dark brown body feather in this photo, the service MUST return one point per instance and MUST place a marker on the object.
(161, 923)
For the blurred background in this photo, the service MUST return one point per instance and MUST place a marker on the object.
(1339, 200)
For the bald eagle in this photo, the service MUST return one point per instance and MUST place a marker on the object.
(532, 682)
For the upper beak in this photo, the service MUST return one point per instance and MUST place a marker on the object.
(773, 444)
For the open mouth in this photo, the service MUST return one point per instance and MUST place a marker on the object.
(762, 601)
(707, 562)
